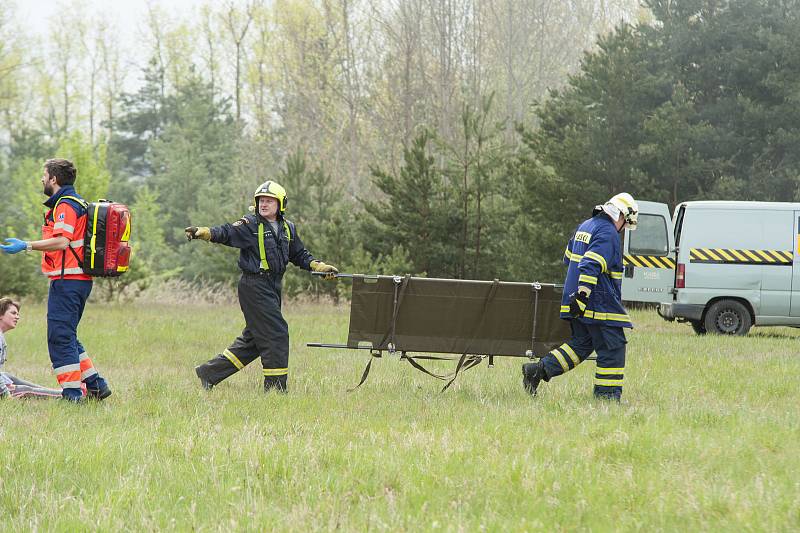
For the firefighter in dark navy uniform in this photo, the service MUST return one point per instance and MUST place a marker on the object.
(592, 301)
(267, 242)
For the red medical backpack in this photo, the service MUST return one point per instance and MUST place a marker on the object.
(106, 247)
(107, 250)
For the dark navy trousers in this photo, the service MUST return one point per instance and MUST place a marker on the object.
(66, 301)
(265, 336)
(609, 344)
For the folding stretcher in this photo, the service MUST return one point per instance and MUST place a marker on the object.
(463, 320)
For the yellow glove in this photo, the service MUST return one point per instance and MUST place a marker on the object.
(319, 266)
(195, 232)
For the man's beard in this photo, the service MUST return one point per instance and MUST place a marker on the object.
(48, 190)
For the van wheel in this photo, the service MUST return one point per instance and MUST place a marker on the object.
(698, 327)
(728, 317)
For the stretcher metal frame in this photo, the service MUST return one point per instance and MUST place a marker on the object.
(467, 321)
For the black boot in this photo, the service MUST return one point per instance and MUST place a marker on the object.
(275, 382)
(204, 380)
(215, 371)
(532, 374)
(97, 388)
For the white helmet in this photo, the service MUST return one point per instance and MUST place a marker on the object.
(627, 207)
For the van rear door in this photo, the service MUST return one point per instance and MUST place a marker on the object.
(649, 256)
(795, 285)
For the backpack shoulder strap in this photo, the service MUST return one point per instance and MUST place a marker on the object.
(85, 205)
(80, 201)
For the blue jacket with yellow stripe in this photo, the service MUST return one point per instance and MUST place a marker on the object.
(594, 260)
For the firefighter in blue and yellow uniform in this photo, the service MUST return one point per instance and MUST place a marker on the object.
(592, 301)
(267, 242)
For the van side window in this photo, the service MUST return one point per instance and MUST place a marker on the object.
(650, 237)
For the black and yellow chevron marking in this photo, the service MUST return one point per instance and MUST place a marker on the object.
(741, 257)
(649, 261)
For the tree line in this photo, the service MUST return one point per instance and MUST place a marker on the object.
(440, 138)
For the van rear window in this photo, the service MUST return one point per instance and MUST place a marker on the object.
(650, 237)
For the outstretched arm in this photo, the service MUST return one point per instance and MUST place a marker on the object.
(13, 245)
(303, 258)
(234, 235)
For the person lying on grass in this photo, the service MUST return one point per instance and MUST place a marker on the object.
(12, 386)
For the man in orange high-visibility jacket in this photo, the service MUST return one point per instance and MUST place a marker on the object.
(62, 244)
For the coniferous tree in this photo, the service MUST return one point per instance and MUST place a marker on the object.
(417, 212)
(142, 118)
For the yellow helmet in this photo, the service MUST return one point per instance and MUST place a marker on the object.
(273, 190)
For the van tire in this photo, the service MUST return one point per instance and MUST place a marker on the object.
(698, 326)
(728, 317)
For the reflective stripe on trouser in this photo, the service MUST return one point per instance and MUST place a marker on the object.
(69, 376)
(609, 344)
(87, 368)
(265, 335)
(66, 300)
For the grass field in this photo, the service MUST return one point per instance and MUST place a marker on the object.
(707, 436)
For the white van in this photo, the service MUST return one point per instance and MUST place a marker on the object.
(720, 266)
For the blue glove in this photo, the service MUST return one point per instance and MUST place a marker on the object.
(14, 246)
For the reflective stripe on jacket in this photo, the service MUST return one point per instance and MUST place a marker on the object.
(66, 218)
(254, 237)
(594, 260)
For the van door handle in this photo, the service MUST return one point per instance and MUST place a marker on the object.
(629, 270)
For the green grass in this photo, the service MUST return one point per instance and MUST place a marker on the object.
(706, 438)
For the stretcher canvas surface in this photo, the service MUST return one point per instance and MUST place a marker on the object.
(447, 316)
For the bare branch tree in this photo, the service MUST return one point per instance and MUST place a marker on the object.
(237, 23)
